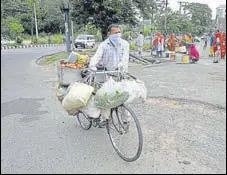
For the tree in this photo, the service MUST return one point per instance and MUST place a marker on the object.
(53, 20)
(15, 27)
(201, 16)
(103, 13)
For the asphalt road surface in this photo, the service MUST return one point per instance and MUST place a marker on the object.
(183, 121)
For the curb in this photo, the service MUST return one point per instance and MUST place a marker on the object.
(44, 56)
(30, 46)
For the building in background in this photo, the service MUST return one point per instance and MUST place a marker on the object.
(221, 18)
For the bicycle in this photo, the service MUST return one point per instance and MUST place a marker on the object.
(120, 121)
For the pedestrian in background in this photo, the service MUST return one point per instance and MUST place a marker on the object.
(212, 37)
(139, 43)
(172, 42)
(205, 44)
(223, 45)
(160, 48)
(217, 50)
(155, 47)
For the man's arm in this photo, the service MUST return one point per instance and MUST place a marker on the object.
(97, 57)
(125, 57)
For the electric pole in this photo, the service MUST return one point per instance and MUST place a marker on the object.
(180, 7)
(73, 42)
(166, 4)
(36, 24)
(67, 37)
(182, 4)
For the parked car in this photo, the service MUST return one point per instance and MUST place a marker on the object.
(85, 41)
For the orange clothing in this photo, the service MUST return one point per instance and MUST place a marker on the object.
(223, 50)
(172, 42)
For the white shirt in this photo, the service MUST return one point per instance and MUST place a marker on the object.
(111, 56)
(140, 40)
(161, 45)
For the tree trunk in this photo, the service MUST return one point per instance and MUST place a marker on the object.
(104, 35)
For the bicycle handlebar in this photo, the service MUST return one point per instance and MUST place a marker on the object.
(98, 72)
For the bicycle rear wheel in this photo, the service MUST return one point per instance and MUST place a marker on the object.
(125, 133)
(84, 120)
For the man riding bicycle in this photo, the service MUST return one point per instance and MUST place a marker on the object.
(113, 53)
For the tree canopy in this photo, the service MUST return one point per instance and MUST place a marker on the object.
(103, 13)
(99, 14)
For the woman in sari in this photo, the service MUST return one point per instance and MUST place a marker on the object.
(172, 41)
(217, 50)
(223, 45)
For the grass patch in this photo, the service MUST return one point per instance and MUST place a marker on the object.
(54, 58)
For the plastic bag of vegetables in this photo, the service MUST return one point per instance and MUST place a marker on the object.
(136, 89)
(110, 95)
(77, 97)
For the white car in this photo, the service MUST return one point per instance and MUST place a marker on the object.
(85, 41)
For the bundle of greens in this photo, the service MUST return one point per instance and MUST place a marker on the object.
(112, 100)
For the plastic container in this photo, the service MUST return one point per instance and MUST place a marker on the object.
(185, 59)
(172, 56)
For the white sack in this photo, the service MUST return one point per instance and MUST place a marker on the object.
(77, 97)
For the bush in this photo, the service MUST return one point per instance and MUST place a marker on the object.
(57, 39)
(132, 47)
(34, 40)
(146, 46)
(19, 40)
(127, 35)
(26, 37)
(42, 41)
(98, 36)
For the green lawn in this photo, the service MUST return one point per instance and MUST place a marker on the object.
(64, 56)
(54, 58)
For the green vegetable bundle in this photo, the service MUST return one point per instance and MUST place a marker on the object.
(106, 101)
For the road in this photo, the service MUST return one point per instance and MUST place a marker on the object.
(183, 121)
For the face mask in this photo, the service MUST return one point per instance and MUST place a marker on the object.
(115, 38)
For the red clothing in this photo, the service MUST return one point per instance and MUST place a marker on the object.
(194, 52)
(218, 35)
(215, 45)
(160, 39)
(155, 42)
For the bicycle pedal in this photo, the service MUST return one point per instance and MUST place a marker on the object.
(102, 124)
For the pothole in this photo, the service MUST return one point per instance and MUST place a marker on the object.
(25, 106)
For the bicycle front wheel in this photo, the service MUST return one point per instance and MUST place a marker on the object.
(84, 120)
(125, 133)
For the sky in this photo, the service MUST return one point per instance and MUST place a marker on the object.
(213, 4)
